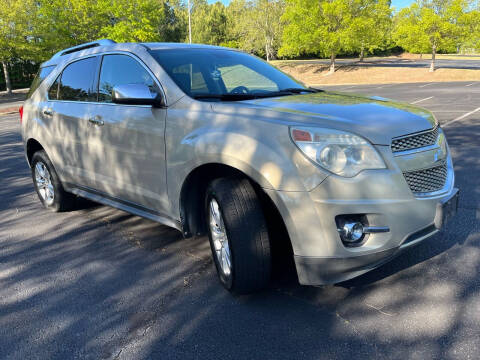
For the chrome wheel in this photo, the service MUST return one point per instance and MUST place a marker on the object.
(219, 238)
(44, 183)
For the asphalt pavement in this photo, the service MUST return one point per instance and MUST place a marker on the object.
(98, 283)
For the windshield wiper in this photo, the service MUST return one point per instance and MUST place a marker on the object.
(240, 97)
(300, 90)
(252, 96)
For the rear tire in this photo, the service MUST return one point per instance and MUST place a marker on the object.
(48, 186)
(234, 210)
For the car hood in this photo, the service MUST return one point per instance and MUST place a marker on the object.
(377, 119)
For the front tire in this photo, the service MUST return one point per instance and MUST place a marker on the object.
(48, 186)
(238, 235)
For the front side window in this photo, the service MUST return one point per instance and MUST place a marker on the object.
(223, 73)
(121, 70)
(77, 80)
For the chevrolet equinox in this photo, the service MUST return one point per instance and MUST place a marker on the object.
(212, 140)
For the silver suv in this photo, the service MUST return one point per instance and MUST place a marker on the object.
(212, 140)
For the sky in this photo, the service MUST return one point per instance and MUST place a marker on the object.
(398, 4)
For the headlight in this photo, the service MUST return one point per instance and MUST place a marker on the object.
(339, 152)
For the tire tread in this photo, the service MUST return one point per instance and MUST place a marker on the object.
(247, 232)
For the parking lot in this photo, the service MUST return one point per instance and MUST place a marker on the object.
(97, 283)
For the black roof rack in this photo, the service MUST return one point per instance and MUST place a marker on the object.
(80, 47)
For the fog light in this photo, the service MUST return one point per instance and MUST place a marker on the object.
(352, 232)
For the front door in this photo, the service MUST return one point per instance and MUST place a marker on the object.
(128, 140)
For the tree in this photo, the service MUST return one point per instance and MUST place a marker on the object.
(209, 23)
(317, 27)
(237, 13)
(264, 27)
(469, 38)
(64, 23)
(371, 24)
(175, 23)
(428, 26)
(15, 30)
(140, 21)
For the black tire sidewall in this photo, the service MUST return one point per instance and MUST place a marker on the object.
(227, 281)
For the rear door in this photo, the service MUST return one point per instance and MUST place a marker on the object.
(71, 97)
(127, 144)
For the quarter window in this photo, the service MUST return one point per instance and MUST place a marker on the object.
(41, 75)
(121, 70)
(77, 81)
(53, 91)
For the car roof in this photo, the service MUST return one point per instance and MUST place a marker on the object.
(104, 45)
(161, 46)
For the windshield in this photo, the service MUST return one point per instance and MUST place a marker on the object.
(224, 74)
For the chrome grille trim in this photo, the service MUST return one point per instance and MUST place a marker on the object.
(415, 141)
(427, 180)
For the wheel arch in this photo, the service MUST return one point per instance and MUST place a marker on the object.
(192, 212)
(31, 147)
(193, 190)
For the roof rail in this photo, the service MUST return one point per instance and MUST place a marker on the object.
(88, 45)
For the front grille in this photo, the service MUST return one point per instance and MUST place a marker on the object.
(427, 180)
(415, 141)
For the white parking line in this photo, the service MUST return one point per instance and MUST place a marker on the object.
(384, 86)
(462, 117)
(426, 85)
(419, 101)
(348, 87)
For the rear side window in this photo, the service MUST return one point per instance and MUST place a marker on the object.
(77, 81)
(121, 70)
(41, 75)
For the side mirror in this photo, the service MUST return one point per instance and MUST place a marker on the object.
(136, 94)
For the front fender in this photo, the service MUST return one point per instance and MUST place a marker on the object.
(270, 163)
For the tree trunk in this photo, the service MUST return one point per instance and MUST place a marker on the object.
(267, 52)
(332, 63)
(7, 78)
(434, 52)
(362, 54)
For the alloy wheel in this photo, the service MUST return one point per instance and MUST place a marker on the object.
(219, 238)
(44, 184)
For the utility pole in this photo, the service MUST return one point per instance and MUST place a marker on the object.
(189, 23)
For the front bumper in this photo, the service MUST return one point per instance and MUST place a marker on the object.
(332, 270)
(382, 196)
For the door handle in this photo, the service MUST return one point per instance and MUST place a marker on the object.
(97, 120)
(48, 112)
